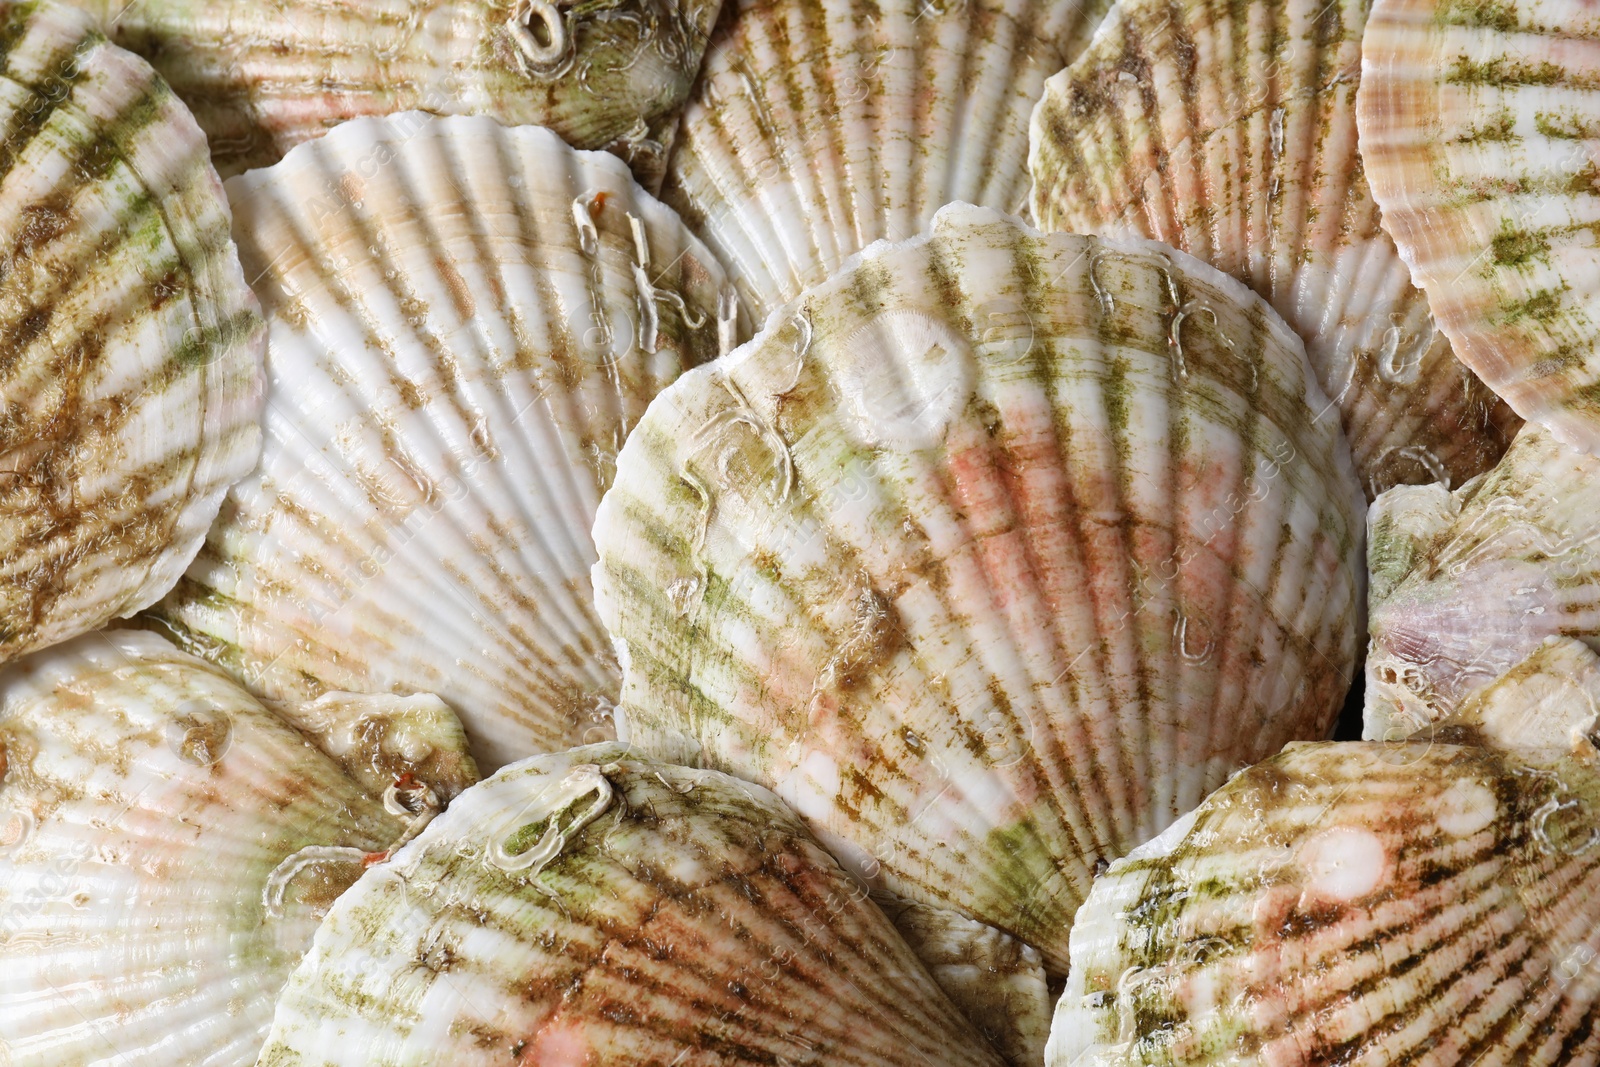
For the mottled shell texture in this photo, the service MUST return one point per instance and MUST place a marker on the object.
(1229, 130)
(592, 908)
(130, 385)
(992, 555)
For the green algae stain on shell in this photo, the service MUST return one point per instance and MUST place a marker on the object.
(660, 915)
(1033, 515)
(262, 77)
(131, 380)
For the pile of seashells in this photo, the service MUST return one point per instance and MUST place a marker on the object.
(610, 541)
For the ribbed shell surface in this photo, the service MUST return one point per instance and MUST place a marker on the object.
(991, 556)
(130, 383)
(820, 126)
(153, 817)
(1356, 904)
(264, 76)
(465, 321)
(1478, 124)
(1465, 584)
(1228, 130)
(593, 908)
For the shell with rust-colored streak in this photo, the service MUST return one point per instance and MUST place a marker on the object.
(1427, 901)
(1229, 131)
(590, 907)
(130, 388)
(991, 555)
(1478, 126)
(168, 847)
(264, 77)
(465, 320)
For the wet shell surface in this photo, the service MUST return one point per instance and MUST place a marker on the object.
(1229, 132)
(130, 388)
(465, 320)
(1465, 584)
(593, 908)
(991, 556)
(1478, 129)
(263, 77)
(820, 126)
(1432, 901)
(167, 849)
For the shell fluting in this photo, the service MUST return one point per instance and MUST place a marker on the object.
(1229, 131)
(465, 320)
(1477, 128)
(975, 553)
(671, 916)
(168, 847)
(264, 77)
(821, 126)
(130, 387)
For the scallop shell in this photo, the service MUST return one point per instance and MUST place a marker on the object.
(1466, 584)
(1477, 129)
(991, 556)
(130, 390)
(588, 908)
(167, 849)
(465, 320)
(1430, 901)
(263, 77)
(1229, 132)
(820, 126)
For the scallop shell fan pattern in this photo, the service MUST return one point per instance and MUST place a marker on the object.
(593, 908)
(168, 847)
(264, 77)
(820, 126)
(130, 389)
(1229, 131)
(465, 321)
(991, 556)
(1478, 122)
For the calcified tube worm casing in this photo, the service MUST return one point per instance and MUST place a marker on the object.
(991, 556)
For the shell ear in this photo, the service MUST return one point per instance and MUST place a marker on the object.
(1545, 708)
(1402, 526)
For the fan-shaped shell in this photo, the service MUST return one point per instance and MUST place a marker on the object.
(1466, 584)
(590, 907)
(1228, 130)
(130, 389)
(263, 77)
(1477, 131)
(167, 849)
(1430, 901)
(991, 555)
(820, 126)
(465, 320)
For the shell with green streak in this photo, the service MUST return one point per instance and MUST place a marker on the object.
(264, 76)
(1432, 901)
(167, 849)
(1229, 130)
(991, 555)
(592, 907)
(130, 385)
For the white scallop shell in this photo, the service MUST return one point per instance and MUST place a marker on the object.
(1478, 125)
(991, 556)
(263, 77)
(167, 849)
(1466, 584)
(593, 908)
(465, 320)
(1228, 130)
(130, 390)
(1432, 901)
(820, 126)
